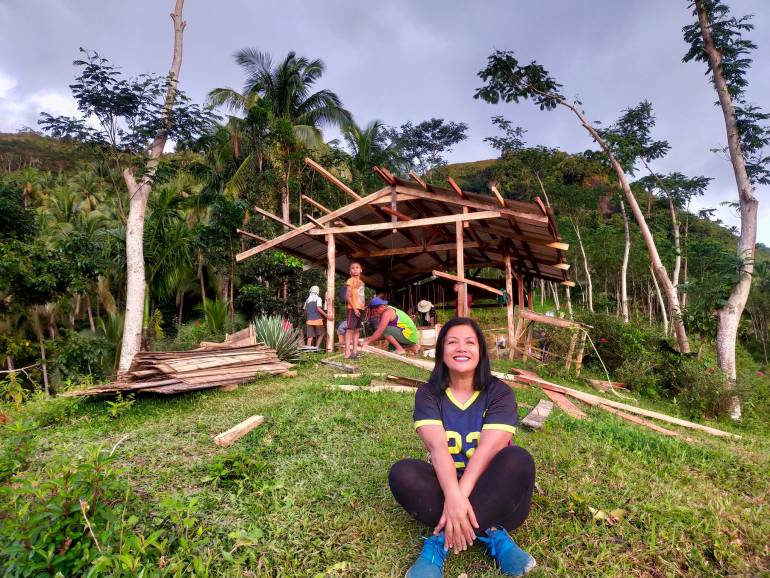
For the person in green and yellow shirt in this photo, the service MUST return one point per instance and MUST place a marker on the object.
(395, 327)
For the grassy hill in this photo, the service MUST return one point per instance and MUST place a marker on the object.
(306, 494)
(29, 149)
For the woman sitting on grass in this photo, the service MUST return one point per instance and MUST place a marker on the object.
(476, 481)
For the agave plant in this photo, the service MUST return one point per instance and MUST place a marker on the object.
(277, 333)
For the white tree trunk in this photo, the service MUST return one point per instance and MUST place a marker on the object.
(138, 194)
(624, 266)
(657, 264)
(729, 316)
(589, 284)
(661, 302)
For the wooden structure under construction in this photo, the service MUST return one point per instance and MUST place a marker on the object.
(409, 230)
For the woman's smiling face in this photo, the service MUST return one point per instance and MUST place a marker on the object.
(461, 349)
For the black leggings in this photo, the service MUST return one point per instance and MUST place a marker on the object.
(501, 497)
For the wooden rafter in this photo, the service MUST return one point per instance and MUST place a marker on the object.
(468, 281)
(407, 224)
(331, 178)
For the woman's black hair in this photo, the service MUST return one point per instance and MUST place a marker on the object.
(482, 377)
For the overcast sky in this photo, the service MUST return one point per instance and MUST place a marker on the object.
(400, 60)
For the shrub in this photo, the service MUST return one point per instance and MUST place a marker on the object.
(277, 333)
(79, 355)
(699, 389)
(51, 522)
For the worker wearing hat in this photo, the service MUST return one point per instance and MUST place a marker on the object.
(395, 326)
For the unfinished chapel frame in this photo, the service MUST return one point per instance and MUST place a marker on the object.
(409, 230)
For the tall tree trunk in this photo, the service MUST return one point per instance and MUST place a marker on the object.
(661, 302)
(729, 316)
(590, 293)
(686, 255)
(200, 277)
(41, 343)
(138, 195)
(624, 266)
(555, 293)
(674, 227)
(181, 310)
(569, 303)
(657, 264)
(90, 311)
(286, 197)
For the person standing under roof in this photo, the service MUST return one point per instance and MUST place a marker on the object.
(395, 327)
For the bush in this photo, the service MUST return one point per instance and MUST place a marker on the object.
(50, 522)
(82, 355)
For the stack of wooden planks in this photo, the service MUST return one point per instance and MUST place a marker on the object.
(172, 372)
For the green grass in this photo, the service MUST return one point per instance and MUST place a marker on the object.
(306, 494)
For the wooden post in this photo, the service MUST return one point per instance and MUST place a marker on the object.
(330, 269)
(509, 304)
(462, 294)
(579, 357)
(518, 330)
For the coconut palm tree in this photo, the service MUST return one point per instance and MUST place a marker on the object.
(285, 92)
(368, 147)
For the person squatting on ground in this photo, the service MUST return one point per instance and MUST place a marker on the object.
(477, 484)
(355, 299)
(314, 314)
(395, 327)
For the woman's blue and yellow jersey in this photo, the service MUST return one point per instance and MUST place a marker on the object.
(493, 408)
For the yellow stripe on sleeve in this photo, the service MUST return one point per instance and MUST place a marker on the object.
(501, 426)
(421, 422)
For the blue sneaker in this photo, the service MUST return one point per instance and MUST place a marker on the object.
(430, 563)
(513, 561)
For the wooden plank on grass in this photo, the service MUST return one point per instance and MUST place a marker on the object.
(536, 418)
(381, 386)
(565, 405)
(237, 432)
(343, 366)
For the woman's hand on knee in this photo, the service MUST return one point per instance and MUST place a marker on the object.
(458, 521)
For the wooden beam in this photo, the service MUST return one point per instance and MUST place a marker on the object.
(237, 432)
(509, 305)
(411, 250)
(468, 281)
(309, 226)
(537, 416)
(568, 283)
(331, 178)
(251, 235)
(397, 214)
(331, 336)
(419, 181)
(534, 218)
(500, 198)
(462, 294)
(276, 218)
(408, 224)
(455, 187)
(565, 404)
(316, 204)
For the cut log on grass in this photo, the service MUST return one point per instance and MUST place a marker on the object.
(237, 432)
(565, 405)
(536, 418)
(427, 365)
(373, 388)
(343, 366)
(406, 380)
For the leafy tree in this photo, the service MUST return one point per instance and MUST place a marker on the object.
(512, 139)
(717, 39)
(137, 116)
(297, 112)
(423, 145)
(508, 80)
(368, 147)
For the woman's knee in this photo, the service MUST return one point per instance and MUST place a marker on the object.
(517, 462)
(403, 474)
